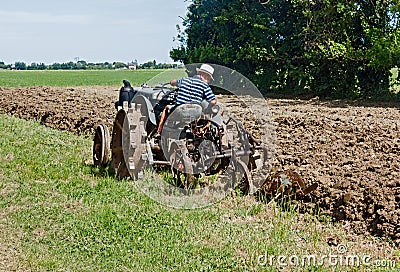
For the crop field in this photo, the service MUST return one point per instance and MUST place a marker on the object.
(60, 213)
(63, 78)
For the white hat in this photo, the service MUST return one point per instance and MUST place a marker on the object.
(205, 68)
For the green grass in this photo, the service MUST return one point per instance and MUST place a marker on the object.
(59, 213)
(64, 78)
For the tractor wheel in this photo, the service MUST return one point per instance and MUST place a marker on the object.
(101, 146)
(129, 143)
(242, 177)
(181, 165)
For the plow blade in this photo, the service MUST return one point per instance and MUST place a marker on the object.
(286, 184)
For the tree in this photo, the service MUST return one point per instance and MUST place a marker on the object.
(81, 64)
(41, 66)
(36, 66)
(20, 66)
(352, 45)
(4, 66)
(148, 65)
(342, 48)
(119, 65)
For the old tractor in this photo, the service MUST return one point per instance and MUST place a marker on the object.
(197, 141)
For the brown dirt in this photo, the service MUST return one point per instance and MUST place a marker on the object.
(77, 110)
(351, 150)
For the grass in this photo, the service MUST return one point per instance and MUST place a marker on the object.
(59, 213)
(62, 78)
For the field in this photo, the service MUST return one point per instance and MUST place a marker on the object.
(60, 213)
(74, 78)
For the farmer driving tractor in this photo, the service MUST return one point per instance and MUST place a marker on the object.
(191, 90)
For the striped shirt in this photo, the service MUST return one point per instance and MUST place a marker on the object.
(193, 90)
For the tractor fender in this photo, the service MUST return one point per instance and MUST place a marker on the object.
(217, 119)
(146, 108)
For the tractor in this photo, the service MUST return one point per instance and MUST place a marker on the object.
(197, 141)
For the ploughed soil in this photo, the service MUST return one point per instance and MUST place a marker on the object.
(351, 149)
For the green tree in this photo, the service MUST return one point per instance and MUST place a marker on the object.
(148, 65)
(81, 64)
(55, 66)
(20, 66)
(336, 48)
(4, 66)
(41, 66)
(352, 46)
(119, 65)
(33, 66)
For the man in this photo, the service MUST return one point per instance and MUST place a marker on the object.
(191, 90)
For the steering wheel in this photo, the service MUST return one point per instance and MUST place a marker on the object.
(165, 84)
(163, 91)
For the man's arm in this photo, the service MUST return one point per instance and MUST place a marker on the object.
(209, 95)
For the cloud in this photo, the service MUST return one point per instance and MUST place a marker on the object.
(14, 17)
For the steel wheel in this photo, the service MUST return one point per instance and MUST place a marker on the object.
(181, 164)
(129, 143)
(101, 146)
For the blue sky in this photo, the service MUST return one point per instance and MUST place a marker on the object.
(52, 31)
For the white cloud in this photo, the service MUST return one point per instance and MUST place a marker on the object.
(7, 17)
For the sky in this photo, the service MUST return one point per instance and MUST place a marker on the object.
(50, 31)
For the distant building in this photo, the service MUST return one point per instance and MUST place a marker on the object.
(132, 66)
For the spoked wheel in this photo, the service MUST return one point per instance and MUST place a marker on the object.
(101, 146)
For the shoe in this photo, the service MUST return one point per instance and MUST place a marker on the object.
(157, 136)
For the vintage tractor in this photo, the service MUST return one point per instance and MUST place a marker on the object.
(197, 140)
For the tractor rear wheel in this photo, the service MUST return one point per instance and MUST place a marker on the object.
(129, 143)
